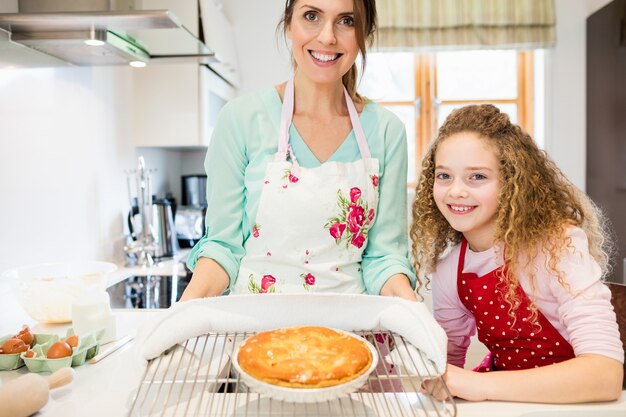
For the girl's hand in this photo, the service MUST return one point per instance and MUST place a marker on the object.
(461, 383)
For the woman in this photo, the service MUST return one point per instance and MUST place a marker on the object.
(327, 212)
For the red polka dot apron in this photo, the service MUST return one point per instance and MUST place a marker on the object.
(312, 224)
(513, 343)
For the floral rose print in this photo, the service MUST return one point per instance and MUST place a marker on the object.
(352, 224)
(337, 229)
(358, 239)
(374, 180)
(355, 194)
(267, 285)
(308, 280)
(255, 230)
(355, 217)
(289, 176)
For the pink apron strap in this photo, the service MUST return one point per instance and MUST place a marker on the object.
(356, 126)
(284, 149)
(285, 121)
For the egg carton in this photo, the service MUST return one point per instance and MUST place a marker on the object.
(11, 361)
(88, 347)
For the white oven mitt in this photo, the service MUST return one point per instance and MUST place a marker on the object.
(253, 313)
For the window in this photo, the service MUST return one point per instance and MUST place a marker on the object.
(422, 89)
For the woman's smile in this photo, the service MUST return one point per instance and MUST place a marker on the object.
(323, 58)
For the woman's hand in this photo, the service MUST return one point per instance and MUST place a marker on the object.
(398, 286)
(208, 280)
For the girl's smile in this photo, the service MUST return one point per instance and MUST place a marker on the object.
(460, 209)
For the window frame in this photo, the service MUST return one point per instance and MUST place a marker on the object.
(425, 101)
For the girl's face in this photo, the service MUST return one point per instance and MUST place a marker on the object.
(323, 39)
(467, 186)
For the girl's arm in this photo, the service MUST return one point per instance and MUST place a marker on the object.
(452, 316)
(586, 378)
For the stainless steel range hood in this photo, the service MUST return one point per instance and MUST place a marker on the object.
(109, 37)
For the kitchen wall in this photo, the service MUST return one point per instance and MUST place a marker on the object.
(64, 144)
(65, 135)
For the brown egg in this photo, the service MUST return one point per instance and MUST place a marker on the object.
(26, 335)
(72, 341)
(59, 350)
(14, 345)
(29, 354)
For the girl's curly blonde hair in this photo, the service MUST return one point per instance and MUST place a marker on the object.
(536, 203)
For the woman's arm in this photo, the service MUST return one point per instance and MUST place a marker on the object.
(208, 280)
(398, 286)
(215, 258)
(586, 378)
(386, 253)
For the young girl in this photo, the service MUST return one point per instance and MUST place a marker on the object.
(517, 254)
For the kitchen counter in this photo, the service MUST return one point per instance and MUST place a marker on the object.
(170, 267)
(106, 388)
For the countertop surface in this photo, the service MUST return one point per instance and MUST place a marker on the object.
(107, 387)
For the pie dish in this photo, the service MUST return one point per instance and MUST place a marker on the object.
(305, 363)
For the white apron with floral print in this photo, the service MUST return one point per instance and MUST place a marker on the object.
(312, 223)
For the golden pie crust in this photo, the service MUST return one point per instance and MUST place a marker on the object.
(304, 357)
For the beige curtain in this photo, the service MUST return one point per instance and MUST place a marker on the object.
(465, 24)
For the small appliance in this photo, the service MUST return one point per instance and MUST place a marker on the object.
(194, 190)
(190, 216)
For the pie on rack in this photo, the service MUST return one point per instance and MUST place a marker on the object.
(304, 357)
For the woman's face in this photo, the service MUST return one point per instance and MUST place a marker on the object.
(323, 38)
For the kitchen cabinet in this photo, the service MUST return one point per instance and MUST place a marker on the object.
(218, 33)
(176, 105)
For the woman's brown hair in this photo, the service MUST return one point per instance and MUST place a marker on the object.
(365, 29)
(536, 203)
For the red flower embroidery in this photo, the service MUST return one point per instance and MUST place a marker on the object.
(255, 230)
(266, 283)
(358, 240)
(309, 279)
(289, 177)
(350, 226)
(355, 194)
(374, 180)
(337, 229)
(355, 218)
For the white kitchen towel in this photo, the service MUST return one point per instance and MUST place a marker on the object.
(253, 313)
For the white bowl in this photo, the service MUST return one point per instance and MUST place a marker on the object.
(46, 291)
(307, 395)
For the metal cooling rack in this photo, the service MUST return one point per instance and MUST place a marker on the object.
(196, 378)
